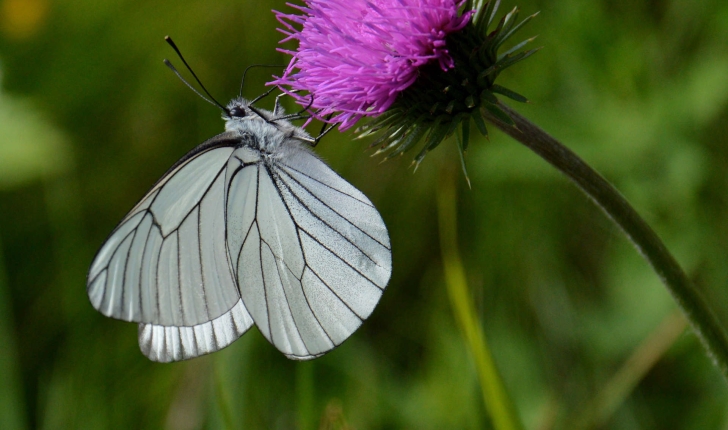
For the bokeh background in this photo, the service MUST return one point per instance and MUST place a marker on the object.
(580, 327)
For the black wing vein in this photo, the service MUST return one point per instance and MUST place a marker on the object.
(199, 257)
(332, 209)
(324, 222)
(298, 227)
(285, 296)
(337, 295)
(326, 185)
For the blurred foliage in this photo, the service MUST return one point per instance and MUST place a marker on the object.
(90, 118)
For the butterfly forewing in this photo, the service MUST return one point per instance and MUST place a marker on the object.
(166, 264)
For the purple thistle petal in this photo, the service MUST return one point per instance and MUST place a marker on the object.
(356, 56)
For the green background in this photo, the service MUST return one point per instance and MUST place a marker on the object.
(90, 118)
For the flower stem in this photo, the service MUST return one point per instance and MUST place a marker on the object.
(497, 402)
(646, 241)
(11, 391)
(223, 400)
(599, 410)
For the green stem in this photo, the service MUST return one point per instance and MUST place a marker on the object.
(598, 411)
(305, 409)
(223, 400)
(497, 403)
(646, 241)
(11, 390)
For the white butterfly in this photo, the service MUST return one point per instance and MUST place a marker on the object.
(248, 228)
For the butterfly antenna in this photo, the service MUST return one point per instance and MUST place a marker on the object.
(242, 81)
(176, 72)
(211, 99)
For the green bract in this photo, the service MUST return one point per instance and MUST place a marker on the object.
(432, 108)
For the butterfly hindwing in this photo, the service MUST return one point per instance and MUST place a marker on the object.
(172, 343)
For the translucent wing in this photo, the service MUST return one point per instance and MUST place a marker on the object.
(166, 266)
(312, 256)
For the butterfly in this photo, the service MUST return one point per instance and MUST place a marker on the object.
(249, 228)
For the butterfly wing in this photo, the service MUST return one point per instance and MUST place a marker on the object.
(311, 256)
(166, 266)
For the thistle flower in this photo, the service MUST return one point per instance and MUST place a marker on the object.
(355, 57)
(420, 67)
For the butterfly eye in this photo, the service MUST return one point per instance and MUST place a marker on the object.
(238, 112)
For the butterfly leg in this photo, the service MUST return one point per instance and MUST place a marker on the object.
(299, 114)
(326, 127)
(277, 109)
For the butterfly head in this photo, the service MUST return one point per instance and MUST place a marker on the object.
(237, 109)
(239, 115)
(269, 130)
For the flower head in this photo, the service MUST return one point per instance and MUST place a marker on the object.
(356, 56)
(421, 68)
